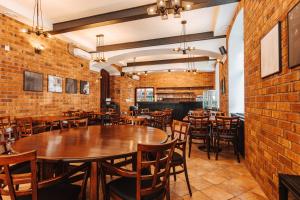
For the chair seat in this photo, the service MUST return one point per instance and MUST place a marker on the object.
(126, 188)
(57, 192)
(226, 137)
(177, 158)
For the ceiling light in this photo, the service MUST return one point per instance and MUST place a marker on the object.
(166, 7)
(184, 48)
(99, 55)
(37, 24)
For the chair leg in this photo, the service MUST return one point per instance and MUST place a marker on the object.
(168, 197)
(187, 177)
(237, 150)
(208, 146)
(190, 146)
(217, 147)
(174, 173)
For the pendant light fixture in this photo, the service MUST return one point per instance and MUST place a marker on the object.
(99, 55)
(184, 48)
(166, 7)
(37, 24)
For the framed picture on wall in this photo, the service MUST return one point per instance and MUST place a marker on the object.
(54, 84)
(33, 81)
(71, 86)
(271, 52)
(84, 87)
(294, 36)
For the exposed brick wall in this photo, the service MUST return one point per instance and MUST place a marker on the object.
(123, 88)
(272, 108)
(54, 60)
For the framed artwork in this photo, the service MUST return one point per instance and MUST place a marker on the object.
(271, 52)
(71, 86)
(54, 84)
(294, 36)
(33, 81)
(84, 87)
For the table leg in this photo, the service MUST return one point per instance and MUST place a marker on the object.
(94, 181)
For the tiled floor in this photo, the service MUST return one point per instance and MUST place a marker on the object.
(216, 180)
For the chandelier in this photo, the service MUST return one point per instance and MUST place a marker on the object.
(191, 65)
(37, 24)
(184, 48)
(99, 55)
(166, 7)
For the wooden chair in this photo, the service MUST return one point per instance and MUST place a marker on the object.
(168, 117)
(145, 111)
(149, 181)
(24, 126)
(3, 148)
(159, 120)
(180, 131)
(65, 124)
(56, 188)
(227, 130)
(80, 123)
(5, 122)
(200, 130)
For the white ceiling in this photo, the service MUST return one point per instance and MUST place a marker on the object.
(216, 19)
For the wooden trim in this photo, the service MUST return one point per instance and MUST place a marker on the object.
(160, 41)
(121, 16)
(168, 61)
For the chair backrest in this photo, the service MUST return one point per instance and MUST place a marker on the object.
(24, 126)
(145, 110)
(199, 124)
(111, 110)
(198, 113)
(81, 122)
(160, 168)
(180, 130)
(5, 122)
(227, 125)
(6, 179)
(3, 148)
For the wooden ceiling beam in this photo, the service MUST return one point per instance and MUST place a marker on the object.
(122, 16)
(159, 41)
(168, 61)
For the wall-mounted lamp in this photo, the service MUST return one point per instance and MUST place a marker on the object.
(38, 48)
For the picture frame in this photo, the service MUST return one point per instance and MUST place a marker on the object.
(71, 86)
(54, 84)
(293, 20)
(84, 87)
(271, 52)
(33, 81)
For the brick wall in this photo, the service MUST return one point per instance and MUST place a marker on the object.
(272, 108)
(54, 60)
(123, 88)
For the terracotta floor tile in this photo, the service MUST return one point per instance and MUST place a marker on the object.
(216, 193)
(197, 196)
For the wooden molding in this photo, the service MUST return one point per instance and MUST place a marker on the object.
(117, 67)
(168, 61)
(121, 16)
(159, 41)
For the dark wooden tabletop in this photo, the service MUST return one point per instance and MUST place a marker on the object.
(92, 143)
(52, 118)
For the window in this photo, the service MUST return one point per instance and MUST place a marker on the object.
(144, 95)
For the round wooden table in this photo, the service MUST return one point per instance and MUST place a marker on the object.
(90, 144)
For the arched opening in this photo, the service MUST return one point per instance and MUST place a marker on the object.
(236, 66)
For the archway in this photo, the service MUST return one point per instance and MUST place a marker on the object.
(236, 66)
